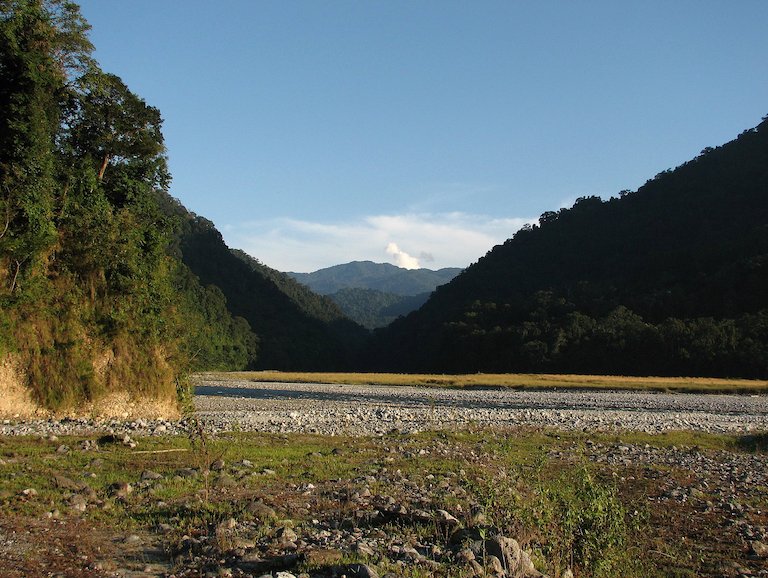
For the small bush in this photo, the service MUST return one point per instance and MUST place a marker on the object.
(583, 524)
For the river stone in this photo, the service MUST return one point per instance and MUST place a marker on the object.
(286, 534)
(65, 483)
(225, 481)
(477, 516)
(494, 565)
(217, 466)
(759, 548)
(445, 519)
(363, 549)
(148, 475)
(226, 525)
(120, 490)
(78, 503)
(261, 511)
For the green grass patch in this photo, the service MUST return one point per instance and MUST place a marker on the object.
(534, 485)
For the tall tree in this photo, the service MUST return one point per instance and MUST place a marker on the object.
(30, 81)
(43, 51)
(113, 125)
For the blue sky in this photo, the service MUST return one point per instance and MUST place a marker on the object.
(422, 133)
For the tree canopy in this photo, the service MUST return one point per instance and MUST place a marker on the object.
(91, 299)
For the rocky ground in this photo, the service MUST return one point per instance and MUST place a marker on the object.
(392, 504)
(376, 410)
(372, 409)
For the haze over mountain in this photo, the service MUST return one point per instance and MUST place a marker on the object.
(671, 279)
(379, 276)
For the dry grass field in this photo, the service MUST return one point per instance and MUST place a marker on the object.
(517, 380)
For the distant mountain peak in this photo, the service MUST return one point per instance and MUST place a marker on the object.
(379, 276)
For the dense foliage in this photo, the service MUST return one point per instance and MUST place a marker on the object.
(90, 300)
(669, 280)
(371, 308)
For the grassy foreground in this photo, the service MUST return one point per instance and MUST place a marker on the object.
(517, 381)
(536, 486)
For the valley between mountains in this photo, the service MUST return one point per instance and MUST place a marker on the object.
(116, 300)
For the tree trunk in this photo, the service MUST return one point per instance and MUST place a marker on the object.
(103, 168)
(15, 275)
(7, 222)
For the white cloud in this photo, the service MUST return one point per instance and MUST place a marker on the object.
(439, 239)
(402, 259)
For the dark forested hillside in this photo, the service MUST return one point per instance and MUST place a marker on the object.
(670, 279)
(297, 329)
(379, 276)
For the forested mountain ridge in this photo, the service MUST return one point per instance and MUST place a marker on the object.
(379, 276)
(334, 345)
(670, 279)
(313, 304)
(297, 329)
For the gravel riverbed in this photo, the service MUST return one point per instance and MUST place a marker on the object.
(225, 405)
(371, 409)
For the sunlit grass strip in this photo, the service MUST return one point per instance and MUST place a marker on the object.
(512, 380)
